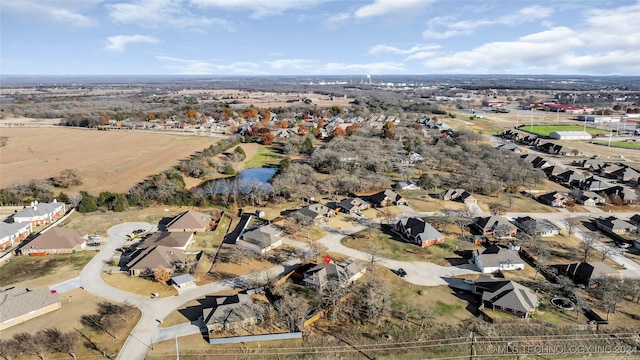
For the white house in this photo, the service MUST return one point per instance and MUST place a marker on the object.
(494, 259)
(40, 213)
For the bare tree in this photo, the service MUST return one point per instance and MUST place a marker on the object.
(32, 344)
(587, 245)
(161, 275)
(606, 250)
(386, 215)
(542, 254)
(9, 349)
(58, 341)
(570, 223)
(497, 208)
(314, 250)
(74, 198)
(407, 310)
(424, 312)
(609, 291)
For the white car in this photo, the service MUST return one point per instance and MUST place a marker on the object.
(95, 237)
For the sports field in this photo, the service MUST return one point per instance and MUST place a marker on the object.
(623, 144)
(545, 130)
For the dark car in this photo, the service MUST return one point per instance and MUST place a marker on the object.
(401, 272)
(139, 231)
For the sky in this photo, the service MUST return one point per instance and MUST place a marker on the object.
(319, 37)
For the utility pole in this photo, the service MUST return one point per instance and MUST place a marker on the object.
(472, 353)
(177, 351)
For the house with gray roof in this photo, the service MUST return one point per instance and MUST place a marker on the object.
(419, 232)
(40, 213)
(183, 281)
(11, 234)
(495, 258)
(460, 195)
(261, 239)
(231, 313)
(625, 174)
(316, 212)
(507, 296)
(586, 272)
(594, 183)
(385, 198)
(344, 274)
(554, 198)
(614, 225)
(589, 198)
(352, 205)
(541, 227)
(624, 194)
(176, 240)
(19, 304)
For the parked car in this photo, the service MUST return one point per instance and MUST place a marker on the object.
(137, 232)
(359, 213)
(95, 237)
(469, 281)
(401, 272)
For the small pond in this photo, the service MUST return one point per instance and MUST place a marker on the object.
(246, 180)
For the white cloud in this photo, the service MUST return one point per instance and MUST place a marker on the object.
(383, 7)
(200, 67)
(65, 12)
(259, 8)
(394, 50)
(161, 13)
(334, 20)
(613, 28)
(118, 42)
(466, 27)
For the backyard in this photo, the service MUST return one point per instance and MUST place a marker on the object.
(37, 271)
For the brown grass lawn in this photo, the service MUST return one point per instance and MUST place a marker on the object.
(138, 285)
(563, 250)
(100, 221)
(229, 269)
(39, 271)
(519, 203)
(75, 304)
(421, 201)
(391, 247)
(109, 160)
(626, 315)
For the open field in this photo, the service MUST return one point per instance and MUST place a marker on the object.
(108, 161)
(622, 144)
(38, 271)
(138, 285)
(514, 203)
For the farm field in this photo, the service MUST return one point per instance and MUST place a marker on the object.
(108, 161)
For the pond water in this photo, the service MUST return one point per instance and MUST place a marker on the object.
(245, 180)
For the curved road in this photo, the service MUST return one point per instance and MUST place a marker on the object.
(147, 331)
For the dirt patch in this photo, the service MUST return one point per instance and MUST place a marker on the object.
(107, 160)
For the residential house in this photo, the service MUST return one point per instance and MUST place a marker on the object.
(593, 164)
(625, 174)
(346, 273)
(261, 239)
(56, 241)
(231, 313)
(497, 226)
(554, 198)
(419, 232)
(495, 258)
(635, 219)
(40, 213)
(190, 221)
(20, 304)
(11, 234)
(553, 171)
(407, 185)
(622, 194)
(590, 198)
(541, 227)
(594, 183)
(176, 240)
(569, 178)
(146, 261)
(460, 195)
(316, 212)
(586, 272)
(508, 296)
(510, 147)
(352, 205)
(385, 198)
(614, 225)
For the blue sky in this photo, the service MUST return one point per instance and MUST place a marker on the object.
(319, 37)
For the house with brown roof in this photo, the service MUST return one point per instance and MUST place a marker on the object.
(316, 212)
(261, 239)
(19, 304)
(190, 221)
(146, 261)
(497, 226)
(176, 240)
(11, 234)
(386, 198)
(40, 213)
(56, 240)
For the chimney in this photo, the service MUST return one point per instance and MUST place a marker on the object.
(55, 201)
(35, 202)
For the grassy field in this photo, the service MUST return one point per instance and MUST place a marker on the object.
(264, 155)
(545, 130)
(622, 144)
(421, 201)
(138, 285)
(76, 304)
(125, 157)
(517, 203)
(43, 269)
